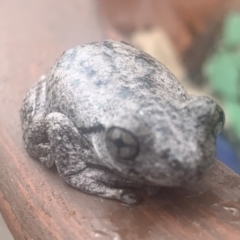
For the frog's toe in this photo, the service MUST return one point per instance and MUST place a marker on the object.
(47, 161)
(45, 156)
(130, 198)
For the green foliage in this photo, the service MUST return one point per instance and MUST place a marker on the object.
(223, 70)
(223, 74)
(231, 33)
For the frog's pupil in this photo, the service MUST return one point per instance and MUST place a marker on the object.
(119, 143)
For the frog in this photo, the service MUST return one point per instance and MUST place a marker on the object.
(114, 120)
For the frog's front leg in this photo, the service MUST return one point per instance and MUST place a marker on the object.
(33, 123)
(72, 155)
(36, 142)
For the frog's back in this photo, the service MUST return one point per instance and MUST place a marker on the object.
(96, 80)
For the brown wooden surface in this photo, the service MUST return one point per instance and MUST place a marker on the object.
(34, 201)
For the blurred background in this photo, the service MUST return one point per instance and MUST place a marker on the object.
(199, 41)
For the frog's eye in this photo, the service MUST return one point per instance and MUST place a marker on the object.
(219, 119)
(121, 143)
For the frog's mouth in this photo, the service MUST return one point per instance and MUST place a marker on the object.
(166, 171)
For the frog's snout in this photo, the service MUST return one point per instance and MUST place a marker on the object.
(218, 119)
(207, 113)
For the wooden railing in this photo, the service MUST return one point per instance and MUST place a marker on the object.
(34, 201)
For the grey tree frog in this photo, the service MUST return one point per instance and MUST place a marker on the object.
(113, 119)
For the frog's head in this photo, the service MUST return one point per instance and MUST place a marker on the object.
(165, 143)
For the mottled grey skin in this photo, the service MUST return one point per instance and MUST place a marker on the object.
(113, 118)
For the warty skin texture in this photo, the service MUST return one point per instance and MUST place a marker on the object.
(113, 118)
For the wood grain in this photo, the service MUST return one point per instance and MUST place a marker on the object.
(34, 201)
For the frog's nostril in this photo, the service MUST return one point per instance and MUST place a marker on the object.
(219, 119)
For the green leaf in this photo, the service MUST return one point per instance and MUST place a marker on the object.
(223, 74)
(231, 33)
